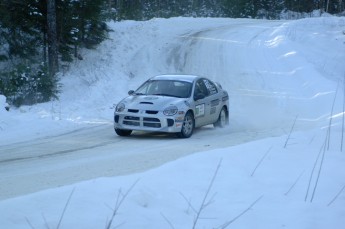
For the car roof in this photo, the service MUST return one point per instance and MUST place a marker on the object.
(187, 78)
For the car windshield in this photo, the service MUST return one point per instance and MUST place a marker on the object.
(173, 88)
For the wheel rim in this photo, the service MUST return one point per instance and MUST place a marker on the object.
(187, 125)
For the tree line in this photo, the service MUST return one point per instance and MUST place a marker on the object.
(269, 9)
(36, 36)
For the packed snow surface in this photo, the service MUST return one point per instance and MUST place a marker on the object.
(279, 164)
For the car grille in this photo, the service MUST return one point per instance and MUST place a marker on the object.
(146, 111)
(151, 112)
(151, 122)
(146, 121)
(131, 121)
(133, 110)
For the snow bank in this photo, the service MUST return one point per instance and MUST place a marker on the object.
(3, 104)
(4, 115)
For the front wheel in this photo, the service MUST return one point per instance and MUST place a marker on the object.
(122, 132)
(222, 119)
(187, 126)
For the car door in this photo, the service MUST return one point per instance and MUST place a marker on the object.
(202, 103)
(213, 100)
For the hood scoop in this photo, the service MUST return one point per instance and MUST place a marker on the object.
(146, 103)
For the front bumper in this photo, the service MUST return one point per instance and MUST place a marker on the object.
(148, 122)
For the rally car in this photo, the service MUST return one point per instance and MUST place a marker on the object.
(172, 104)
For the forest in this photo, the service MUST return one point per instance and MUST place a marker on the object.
(37, 37)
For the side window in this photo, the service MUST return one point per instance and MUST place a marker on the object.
(200, 89)
(211, 87)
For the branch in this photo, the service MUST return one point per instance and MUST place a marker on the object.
(261, 161)
(204, 203)
(288, 138)
(65, 208)
(338, 194)
(119, 201)
(241, 214)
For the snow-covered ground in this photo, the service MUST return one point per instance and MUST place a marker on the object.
(281, 76)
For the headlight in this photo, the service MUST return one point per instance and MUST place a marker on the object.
(120, 107)
(169, 111)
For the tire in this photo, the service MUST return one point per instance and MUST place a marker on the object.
(187, 126)
(222, 119)
(123, 133)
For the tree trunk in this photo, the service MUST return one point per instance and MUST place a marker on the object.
(53, 63)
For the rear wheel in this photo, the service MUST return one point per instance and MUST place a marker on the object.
(187, 126)
(222, 119)
(122, 132)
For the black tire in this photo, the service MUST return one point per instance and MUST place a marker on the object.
(223, 119)
(187, 126)
(123, 133)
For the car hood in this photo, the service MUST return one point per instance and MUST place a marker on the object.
(151, 102)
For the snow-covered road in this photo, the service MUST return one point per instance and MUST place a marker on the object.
(94, 152)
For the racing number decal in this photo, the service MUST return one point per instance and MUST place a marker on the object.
(200, 110)
(210, 87)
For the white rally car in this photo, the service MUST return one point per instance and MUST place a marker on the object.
(172, 104)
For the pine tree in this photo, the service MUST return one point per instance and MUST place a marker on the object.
(29, 31)
(19, 28)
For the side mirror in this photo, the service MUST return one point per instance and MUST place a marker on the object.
(131, 92)
(199, 96)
